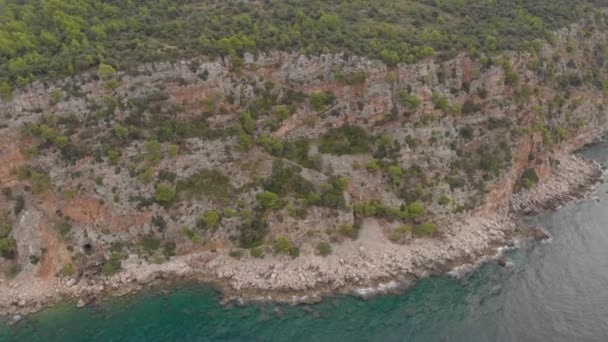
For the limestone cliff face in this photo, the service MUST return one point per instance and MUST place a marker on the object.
(466, 129)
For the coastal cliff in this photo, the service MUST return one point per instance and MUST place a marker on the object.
(289, 176)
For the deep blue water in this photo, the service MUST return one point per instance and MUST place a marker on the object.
(555, 291)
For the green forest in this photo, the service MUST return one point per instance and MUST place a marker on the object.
(47, 39)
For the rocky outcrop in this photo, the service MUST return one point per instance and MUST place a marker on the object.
(572, 177)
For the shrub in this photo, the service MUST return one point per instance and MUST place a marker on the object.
(377, 209)
(113, 265)
(252, 231)
(349, 230)
(228, 212)
(411, 102)
(19, 205)
(154, 151)
(146, 176)
(415, 210)
(206, 183)
(529, 178)
(106, 72)
(149, 243)
(440, 102)
(113, 157)
(269, 200)
(8, 247)
(236, 254)
(164, 193)
(271, 144)
(169, 249)
(40, 182)
(173, 150)
(121, 131)
(5, 229)
(333, 193)
(318, 101)
(425, 229)
(372, 165)
(467, 133)
(67, 269)
(324, 249)
(257, 252)
(345, 140)
(245, 140)
(351, 78)
(444, 200)
(209, 219)
(396, 173)
(247, 123)
(63, 228)
(283, 245)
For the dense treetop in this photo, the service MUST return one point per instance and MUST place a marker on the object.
(45, 39)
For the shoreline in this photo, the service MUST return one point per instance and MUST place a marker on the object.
(365, 267)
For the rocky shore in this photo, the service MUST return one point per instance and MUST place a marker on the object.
(571, 177)
(370, 262)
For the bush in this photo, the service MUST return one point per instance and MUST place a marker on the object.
(324, 249)
(257, 252)
(444, 200)
(236, 254)
(349, 230)
(113, 265)
(121, 131)
(345, 140)
(318, 101)
(270, 144)
(283, 245)
(529, 178)
(164, 193)
(252, 231)
(440, 102)
(269, 200)
(169, 249)
(146, 176)
(67, 269)
(467, 133)
(372, 165)
(425, 229)
(113, 157)
(376, 209)
(40, 182)
(411, 102)
(173, 150)
(415, 210)
(209, 219)
(333, 193)
(206, 183)
(396, 173)
(63, 228)
(149, 243)
(19, 205)
(8, 247)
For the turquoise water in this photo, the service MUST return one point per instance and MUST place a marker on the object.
(555, 291)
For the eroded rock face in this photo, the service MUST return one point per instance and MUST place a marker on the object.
(28, 236)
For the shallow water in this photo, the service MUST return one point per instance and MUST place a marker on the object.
(555, 291)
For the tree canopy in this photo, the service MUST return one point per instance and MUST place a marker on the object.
(46, 39)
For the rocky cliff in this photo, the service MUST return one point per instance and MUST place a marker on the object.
(289, 172)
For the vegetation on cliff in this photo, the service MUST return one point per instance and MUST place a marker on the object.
(42, 39)
(283, 154)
